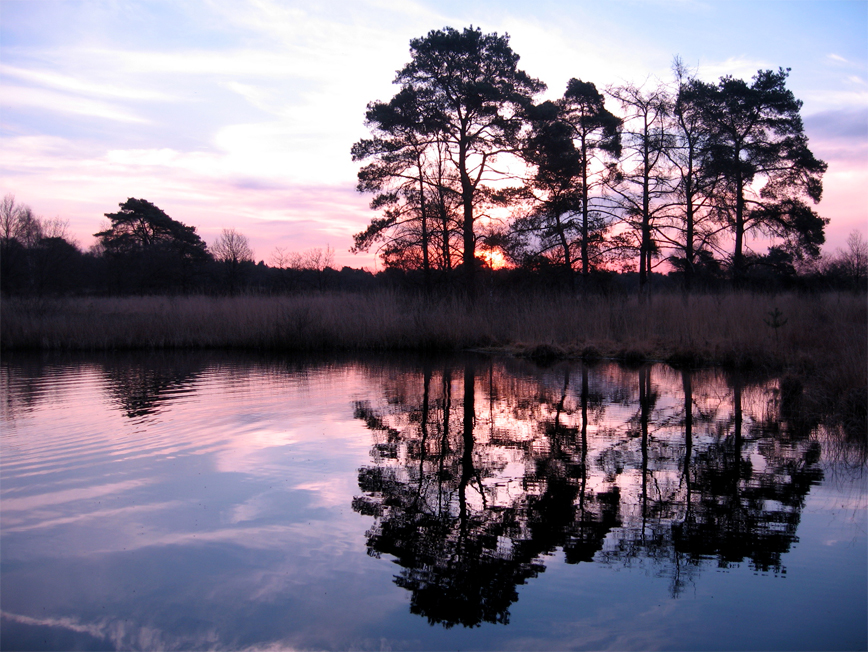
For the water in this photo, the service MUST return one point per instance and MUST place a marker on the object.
(190, 501)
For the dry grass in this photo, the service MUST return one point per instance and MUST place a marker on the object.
(710, 329)
(824, 340)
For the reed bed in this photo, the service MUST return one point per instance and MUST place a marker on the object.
(733, 328)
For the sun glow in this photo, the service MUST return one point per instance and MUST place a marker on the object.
(494, 258)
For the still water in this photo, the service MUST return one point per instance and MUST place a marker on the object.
(216, 501)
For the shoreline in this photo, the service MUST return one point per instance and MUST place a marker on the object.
(818, 340)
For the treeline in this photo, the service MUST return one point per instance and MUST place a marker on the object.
(141, 250)
(463, 163)
(144, 251)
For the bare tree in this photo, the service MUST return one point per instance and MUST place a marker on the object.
(232, 247)
(318, 259)
(315, 259)
(9, 211)
(852, 262)
(18, 222)
(693, 222)
(55, 227)
(642, 184)
(280, 258)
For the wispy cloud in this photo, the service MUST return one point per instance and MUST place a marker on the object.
(52, 101)
(742, 66)
(64, 82)
(849, 125)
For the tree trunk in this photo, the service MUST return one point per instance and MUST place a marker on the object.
(469, 237)
(467, 470)
(738, 255)
(568, 262)
(426, 266)
(586, 265)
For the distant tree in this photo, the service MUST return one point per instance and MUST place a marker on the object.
(854, 259)
(14, 222)
(232, 247)
(232, 250)
(149, 250)
(317, 259)
(759, 149)
(35, 254)
(9, 216)
(849, 265)
(307, 268)
(468, 97)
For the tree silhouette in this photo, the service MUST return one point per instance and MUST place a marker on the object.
(642, 185)
(150, 250)
(596, 134)
(759, 149)
(553, 191)
(232, 250)
(691, 229)
(465, 92)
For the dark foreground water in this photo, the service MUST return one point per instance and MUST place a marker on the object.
(229, 502)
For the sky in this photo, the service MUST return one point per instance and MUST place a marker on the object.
(241, 113)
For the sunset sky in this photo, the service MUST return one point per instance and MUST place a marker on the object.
(232, 113)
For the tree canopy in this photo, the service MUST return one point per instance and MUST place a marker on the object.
(149, 249)
(685, 175)
(462, 104)
(759, 150)
(141, 226)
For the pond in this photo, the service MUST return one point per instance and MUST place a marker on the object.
(228, 501)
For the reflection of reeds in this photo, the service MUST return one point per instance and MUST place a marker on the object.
(823, 340)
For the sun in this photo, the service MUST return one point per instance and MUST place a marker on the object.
(494, 258)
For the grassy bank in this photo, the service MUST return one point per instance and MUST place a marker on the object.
(822, 339)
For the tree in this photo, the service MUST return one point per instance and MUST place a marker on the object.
(642, 184)
(850, 264)
(396, 176)
(406, 174)
(16, 222)
(233, 251)
(232, 247)
(596, 134)
(469, 98)
(35, 254)
(759, 149)
(855, 259)
(554, 189)
(691, 229)
(149, 250)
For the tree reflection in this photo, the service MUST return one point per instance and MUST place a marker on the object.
(478, 473)
(139, 384)
(744, 511)
(142, 384)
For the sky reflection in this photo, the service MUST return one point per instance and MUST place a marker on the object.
(225, 502)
